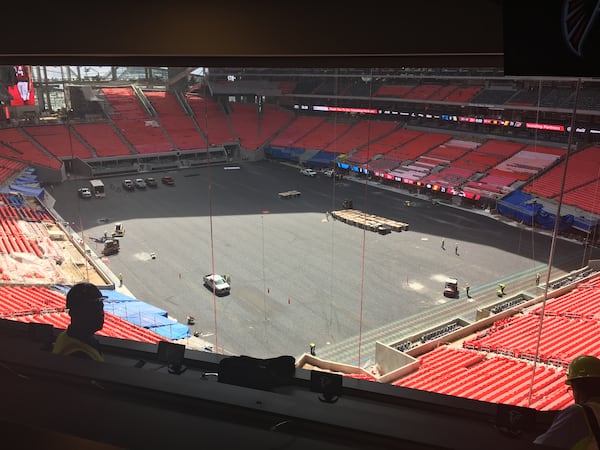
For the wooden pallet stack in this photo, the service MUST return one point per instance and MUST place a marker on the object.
(366, 221)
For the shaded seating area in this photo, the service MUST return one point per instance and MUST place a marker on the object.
(211, 119)
(297, 129)
(175, 122)
(9, 168)
(15, 144)
(394, 90)
(491, 96)
(442, 93)
(254, 129)
(581, 171)
(323, 135)
(463, 94)
(143, 132)
(360, 135)
(423, 91)
(59, 141)
(104, 139)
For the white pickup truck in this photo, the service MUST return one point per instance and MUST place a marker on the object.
(308, 172)
(217, 283)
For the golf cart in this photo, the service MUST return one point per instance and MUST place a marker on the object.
(451, 288)
(119, 230)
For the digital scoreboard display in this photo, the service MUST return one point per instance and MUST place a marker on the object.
(20, 86)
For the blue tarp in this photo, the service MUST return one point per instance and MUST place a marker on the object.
(140, 313)
(27, 179)
(174, 331)
(126, 309)
(288, 153)
(520, 206)
(116, 296)
(547, 220)
(323, 159)
(585, 224)
(524, 208)
(26, 190)
(149, 320)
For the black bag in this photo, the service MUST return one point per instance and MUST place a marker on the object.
(257, 373)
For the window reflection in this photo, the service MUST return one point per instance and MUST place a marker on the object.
(420, 180)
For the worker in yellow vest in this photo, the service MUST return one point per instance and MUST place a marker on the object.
(576, 426)
(85, 305)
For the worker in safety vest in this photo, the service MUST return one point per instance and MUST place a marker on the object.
(85, 304)
(575, 427)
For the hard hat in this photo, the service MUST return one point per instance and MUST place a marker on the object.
(82, 294)
(583, 367)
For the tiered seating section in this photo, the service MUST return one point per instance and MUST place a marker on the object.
(490, 378)
(581, 180)
(16, 145)
(359, 137)
(13, 237)
(59, 141)
(32, 287)
(489, 169)
(427, 91)
(211, 119)
(254, 129)
(10, 168)
(104, 139)
(296, 130)
(32, 304)
(496, 365)
(178, 126)
(130, 118)
(323, 135)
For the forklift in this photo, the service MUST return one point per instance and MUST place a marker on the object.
(451, 288)
(111, 246)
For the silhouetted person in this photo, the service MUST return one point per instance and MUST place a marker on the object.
(86, 309)
(572, 427)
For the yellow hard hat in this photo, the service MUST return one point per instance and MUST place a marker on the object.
(583, 367)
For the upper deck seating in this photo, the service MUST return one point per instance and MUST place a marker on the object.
(103, 138)
(59, 140)
(175, 122)
(14, 144)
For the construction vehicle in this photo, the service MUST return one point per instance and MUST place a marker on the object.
(451, 288)
(119, 230)
(111, 246)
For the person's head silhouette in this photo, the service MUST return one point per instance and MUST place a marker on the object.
(85, 305)
(86, 308)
